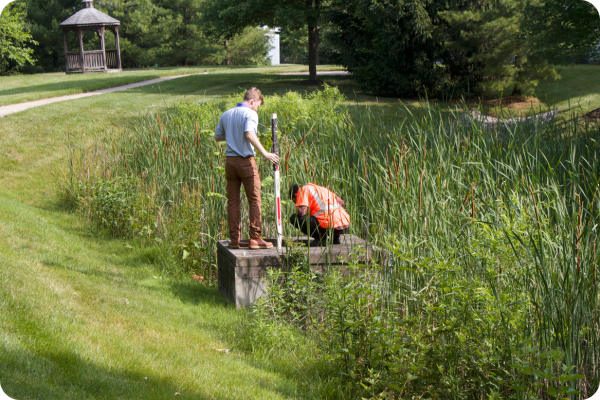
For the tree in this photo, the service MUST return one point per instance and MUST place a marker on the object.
(251, 47)
(452, 47)
(44, 17)
(226, 18)
(495, 46)
(152, 32)
(14, 37)
(390, 45)
(294, 45)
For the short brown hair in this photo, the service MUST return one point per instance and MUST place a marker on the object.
(255, 94)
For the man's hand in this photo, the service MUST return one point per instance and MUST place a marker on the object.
(271, 157)
(340, 201)
(253, 139)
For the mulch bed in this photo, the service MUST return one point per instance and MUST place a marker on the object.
(310, 82)
(593, 114)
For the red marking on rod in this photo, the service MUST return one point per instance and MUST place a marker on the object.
(278, 212)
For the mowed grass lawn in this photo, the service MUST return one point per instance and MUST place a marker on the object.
(21, 88)
(83, 316)
(86, 316)
(578, 88)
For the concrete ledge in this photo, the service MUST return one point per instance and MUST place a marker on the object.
(242, 272)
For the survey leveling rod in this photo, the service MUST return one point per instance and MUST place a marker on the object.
(276, 179)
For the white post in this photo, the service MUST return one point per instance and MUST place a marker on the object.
(276, 178)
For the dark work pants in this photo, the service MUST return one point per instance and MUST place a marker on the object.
(316, 231)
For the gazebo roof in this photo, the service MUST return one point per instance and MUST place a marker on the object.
(89, 16)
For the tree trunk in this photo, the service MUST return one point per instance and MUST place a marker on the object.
(313, 37)
(227, 61)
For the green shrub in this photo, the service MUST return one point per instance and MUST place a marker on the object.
(118, 205)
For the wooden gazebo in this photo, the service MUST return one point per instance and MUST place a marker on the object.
(90, 19)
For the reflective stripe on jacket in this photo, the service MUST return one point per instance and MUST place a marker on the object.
(323, 205)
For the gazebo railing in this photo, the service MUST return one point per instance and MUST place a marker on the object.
(111, 59)
(92, 59)
(73, 60)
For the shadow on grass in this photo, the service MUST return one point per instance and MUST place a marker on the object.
(195, 293)
(88, 85)
(60, 374)
(224, 84)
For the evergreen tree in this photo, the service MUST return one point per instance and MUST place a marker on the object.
(390, 45)
(452, 47)
(508, 46)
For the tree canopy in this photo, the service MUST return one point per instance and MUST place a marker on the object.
(224, 18)
(452, 47)
(501, 45)
(14, 38)
(152, 32)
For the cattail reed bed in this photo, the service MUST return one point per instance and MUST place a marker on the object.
(491, 241)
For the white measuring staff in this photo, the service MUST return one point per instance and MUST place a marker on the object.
(276, 178)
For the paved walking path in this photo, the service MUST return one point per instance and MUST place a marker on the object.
(15, 108)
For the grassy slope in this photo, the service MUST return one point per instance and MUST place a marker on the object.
(21, 88)
(578, 88)
(84, 317)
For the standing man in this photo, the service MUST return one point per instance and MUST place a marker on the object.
(319, 212)
(238, 128)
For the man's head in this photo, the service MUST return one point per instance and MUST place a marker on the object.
(294, 192)
(253, 98)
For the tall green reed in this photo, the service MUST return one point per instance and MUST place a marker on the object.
(514, 214)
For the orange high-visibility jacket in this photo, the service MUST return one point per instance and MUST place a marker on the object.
(323, 205)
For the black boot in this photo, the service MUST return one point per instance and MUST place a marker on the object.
(317, 243)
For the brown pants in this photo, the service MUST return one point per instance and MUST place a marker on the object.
(238, 171)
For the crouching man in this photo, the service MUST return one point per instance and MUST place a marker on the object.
(238, 127)
(319, 212)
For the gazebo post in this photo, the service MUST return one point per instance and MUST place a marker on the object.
(66, 51)
(102, 47)
(118, 48)
(80, 36)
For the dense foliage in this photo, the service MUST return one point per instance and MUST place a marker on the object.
(455, 47)
(390, 45)
(14, 38)
(152, 32)
(486, 280)
(508, 46)
(227, 17)
(394, 47)
(294, 46)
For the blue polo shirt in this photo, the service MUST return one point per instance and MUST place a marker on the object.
(232, 127)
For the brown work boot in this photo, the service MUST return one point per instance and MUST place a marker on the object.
(244, 242)
(260, 243)
(234, 244)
